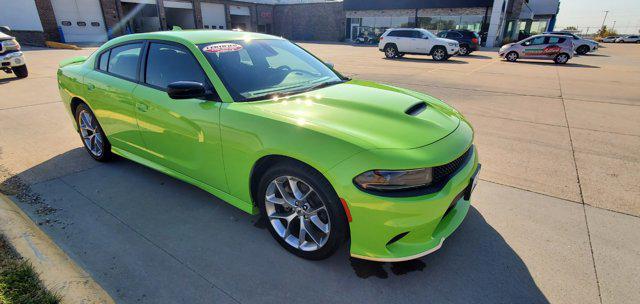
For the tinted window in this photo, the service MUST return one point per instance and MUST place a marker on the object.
(534, 41)
(454, 35)
(103, 60)
(442, 34)
(394, 34)
(556, 40)
(170, 63)
(123, 60)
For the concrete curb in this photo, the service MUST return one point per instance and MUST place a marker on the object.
(58, 45)
(57, 271)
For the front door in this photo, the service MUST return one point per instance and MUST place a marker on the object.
(182, 135)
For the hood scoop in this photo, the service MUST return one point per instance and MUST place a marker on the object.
(416, 109)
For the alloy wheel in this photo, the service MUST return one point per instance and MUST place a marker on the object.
(512, 56)
(391, 52)
(562, 58)
(463, 50)
(91, 137)
(439, 54)
(297, 213)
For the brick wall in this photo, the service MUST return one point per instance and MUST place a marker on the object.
(34, 38)
(110, 13)
(311, 21)
(48, 20)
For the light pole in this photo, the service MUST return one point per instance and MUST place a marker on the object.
(614, 25)
(605, 18)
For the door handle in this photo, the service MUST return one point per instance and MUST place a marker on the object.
(142, 107)
(91, 86)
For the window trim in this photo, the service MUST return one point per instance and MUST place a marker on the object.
(96, 63)
(142, 72)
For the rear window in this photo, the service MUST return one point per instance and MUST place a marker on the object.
(123, 60)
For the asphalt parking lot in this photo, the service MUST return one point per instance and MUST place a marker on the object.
(555, 217)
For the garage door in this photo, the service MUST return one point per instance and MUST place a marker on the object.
(213, 16)
(80, 20)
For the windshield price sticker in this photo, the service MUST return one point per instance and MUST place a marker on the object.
(222, 48)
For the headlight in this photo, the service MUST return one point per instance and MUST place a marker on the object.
(12, 55)
(452, 44)
(393, 180)
(11, 45)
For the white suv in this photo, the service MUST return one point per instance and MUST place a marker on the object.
(11, 58)
(396, 42)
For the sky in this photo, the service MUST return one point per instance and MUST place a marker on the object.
(589, 14)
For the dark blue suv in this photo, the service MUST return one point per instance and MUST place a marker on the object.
(469, 40)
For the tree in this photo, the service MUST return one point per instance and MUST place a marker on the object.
(605, 32)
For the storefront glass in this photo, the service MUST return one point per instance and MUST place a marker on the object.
(369, 29)
(440, 23)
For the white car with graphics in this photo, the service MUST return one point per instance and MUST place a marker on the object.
(580, 45)
(396, 42)
(11, 57)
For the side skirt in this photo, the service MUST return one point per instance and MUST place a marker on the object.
(240, 204)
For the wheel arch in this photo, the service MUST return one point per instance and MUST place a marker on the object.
(390, 44)
(264, 163)
(436, 47)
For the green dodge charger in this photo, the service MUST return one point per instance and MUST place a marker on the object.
(267, 127)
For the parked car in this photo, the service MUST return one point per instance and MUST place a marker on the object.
(629, 39)
(11, 57)
(469, 41)
(264, 125)
(366, 39)
(550, 47)
(610, 39)
(580, 45)
(396, 42)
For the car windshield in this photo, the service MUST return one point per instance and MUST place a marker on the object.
(261, 68)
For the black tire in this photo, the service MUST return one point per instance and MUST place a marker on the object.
(561, 58)
(20, 71)
(583, 49)
(439, 53)
(464, 50)
(339, 228)
(105, 147)
(511, 56)
(391, 51)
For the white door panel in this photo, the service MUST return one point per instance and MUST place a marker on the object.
(213, 15)
(80, 20)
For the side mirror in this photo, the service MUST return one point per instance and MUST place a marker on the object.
(5, 29)
(329, 64)
(186, 90)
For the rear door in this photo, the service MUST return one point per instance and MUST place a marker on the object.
(182, 135)
(534, 47)
(403, 41)
(108, 91)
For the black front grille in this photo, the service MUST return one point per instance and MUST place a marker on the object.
(445, 171)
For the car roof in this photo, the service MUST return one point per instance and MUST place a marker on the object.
(194, 36)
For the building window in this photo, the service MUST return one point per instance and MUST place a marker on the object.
(369, 29)
(440, 23)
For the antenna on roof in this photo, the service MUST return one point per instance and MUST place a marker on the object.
(176, 28)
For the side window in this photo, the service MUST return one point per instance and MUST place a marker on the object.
(123, 60)
(170, 63)
(442, 34)
(416, 34)
(554, 40)
(453, 35)
(393, 34)
(103, 60)
(534, 41)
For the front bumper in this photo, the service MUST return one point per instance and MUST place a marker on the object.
(12, 59)
(425, 220)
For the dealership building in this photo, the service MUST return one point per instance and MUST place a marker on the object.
(95, 21)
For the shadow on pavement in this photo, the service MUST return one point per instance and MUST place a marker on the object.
(472, 55)
(427, 59)
(148, 238)
(551, 63)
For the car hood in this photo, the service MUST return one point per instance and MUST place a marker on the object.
(369, 114)
(4, 36)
